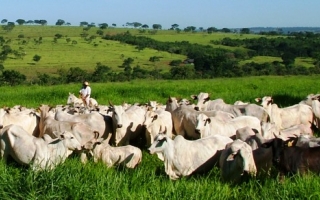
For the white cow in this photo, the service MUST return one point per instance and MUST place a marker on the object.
(37, 152)
(127, 124)
(207, 126)
(235, 160)
(269, 130)
(184, 118)
(82, 132)
(287, 116)
(183, 157)
(154, 121)
(28, 119)
(128, 155)
(205, 104)
(307, 141)
(98, 122)
(75, 101)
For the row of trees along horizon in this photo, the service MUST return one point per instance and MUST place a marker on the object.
(60, 22)
(204, 61)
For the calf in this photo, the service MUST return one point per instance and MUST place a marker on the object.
(128, 155)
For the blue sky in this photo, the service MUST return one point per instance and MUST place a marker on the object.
(201, 13)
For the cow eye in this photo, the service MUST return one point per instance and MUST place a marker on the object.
(71, 137)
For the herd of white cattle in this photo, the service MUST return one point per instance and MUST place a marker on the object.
(189, 138)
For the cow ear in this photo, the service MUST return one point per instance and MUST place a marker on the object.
(207, 99)
(208, 120)
(155, 117)
(194, 97)
(111, 104)
(257, 100)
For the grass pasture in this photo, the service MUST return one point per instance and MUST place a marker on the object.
(84, 54)
(72, 180)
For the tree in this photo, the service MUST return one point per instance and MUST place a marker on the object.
(212, 29)
(83, 23)
(140, 47)
(182, 72)
(103, 26)
(245, 31)
(288, 58)
(41, 22)
(174, 26)
(157, 26)
(20, 21)
(9, 27)
(1, 67)
(58, 35)
(4, 21)
(30, 22)
(60, 22)
(144, 26)
(114, 25)
(100, 32)
(225, 30)
(136, 24)
(12, 77)
(101, 73)
(76, 75)
(36, 58)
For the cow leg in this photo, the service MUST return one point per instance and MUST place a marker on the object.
(83, 158)
(4, 153)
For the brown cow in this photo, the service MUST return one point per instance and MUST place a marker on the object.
(293, 159)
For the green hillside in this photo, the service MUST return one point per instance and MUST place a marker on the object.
(63, 47)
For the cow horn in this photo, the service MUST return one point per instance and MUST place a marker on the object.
(110, 103)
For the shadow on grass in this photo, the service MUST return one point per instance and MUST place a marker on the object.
(284, 100)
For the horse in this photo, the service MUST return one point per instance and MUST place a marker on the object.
(72, 99)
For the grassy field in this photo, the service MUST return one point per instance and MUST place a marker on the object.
(73, 180)
(84, 54)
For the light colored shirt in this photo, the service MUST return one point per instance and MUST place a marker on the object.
(85, 91)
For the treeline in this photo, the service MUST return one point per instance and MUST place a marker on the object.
(212, 62)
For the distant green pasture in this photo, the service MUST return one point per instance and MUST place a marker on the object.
(299, 61)
(63, 55)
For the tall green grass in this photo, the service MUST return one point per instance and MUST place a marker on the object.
(73, 180)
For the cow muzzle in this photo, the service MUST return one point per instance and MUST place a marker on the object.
(119, 126)
(151, 151)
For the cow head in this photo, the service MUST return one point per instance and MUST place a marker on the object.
(159, 143)
(202, 99)
(202, 122)
(278, 146)
(69, 141)
(265, 101)
(237, 160)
